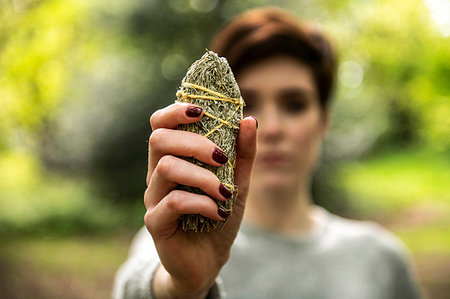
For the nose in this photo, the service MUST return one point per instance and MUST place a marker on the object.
(270, 124)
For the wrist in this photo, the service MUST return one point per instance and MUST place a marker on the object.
(165, 286)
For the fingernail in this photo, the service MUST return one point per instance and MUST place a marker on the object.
(224, 191)
(194, 111)
(222, 213)
(255, 121)
(219, 156)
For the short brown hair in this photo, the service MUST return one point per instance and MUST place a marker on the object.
(262, 33)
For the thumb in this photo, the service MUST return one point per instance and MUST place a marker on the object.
(245, 153)
(245, 158)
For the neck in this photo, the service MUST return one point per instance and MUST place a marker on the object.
(287, 213)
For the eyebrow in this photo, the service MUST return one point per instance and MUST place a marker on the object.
(252, 93)
(296, 91)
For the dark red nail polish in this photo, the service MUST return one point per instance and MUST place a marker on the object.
(194, 111)
(255, 121)
(219, 156)
(222, 213)
(224, 191)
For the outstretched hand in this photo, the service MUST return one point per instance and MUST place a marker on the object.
(190, 261)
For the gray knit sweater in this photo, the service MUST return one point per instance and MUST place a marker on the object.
(340, 259)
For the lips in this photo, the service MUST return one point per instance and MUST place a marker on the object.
(273, 159)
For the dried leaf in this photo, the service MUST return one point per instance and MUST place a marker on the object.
(210, 84)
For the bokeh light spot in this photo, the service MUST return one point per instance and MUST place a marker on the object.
(351, 74)
(203, 5)
(173, 66)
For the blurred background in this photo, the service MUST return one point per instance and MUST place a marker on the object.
(79, 80)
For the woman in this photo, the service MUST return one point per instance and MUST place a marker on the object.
(287, 247)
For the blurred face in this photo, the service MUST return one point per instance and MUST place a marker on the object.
(280, 92)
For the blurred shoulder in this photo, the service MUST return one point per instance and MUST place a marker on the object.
(365, 235)
(382, 256)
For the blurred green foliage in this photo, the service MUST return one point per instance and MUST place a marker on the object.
(387, 184)
(79, 80)
(42, 44)
(37, 202)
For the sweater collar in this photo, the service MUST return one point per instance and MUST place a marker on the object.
(321, 220)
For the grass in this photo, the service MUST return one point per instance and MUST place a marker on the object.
(390, 183)
(85, 256)
(62, 267)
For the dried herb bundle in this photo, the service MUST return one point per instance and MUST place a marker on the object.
(210, 84)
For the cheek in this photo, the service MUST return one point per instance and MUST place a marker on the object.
(306, 139)
(306, 133)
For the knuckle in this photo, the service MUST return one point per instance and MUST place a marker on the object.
(147, 178)
(146, 198)
(171, 203)
(149, 222)
(148, 218)
(165, 165)
(156, 137)
(173, 200)
(153, 118)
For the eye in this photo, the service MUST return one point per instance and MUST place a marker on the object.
(294, 101)
(294, 106)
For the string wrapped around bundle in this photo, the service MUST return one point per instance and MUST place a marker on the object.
(210, 84)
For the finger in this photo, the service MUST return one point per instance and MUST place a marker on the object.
(245, 158)
(181, 143)
(173, 115)
(164, 216)
(172, 171)
(246, 152)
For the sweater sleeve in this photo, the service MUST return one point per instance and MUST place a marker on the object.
(134, 278)
(404, 283)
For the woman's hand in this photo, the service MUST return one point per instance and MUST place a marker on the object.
(190, 262)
